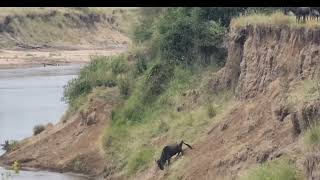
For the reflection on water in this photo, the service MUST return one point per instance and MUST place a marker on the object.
(29, 97)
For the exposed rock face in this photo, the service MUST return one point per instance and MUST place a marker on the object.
(228, 76)
(259, 55)
(261, 65)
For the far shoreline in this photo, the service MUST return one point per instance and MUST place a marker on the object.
(28, 58)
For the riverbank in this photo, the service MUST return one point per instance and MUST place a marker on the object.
(31, 173)
(71, 147)
(19, 58)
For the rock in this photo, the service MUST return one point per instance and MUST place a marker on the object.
(296, 130)
(281, 112)
(224, 127)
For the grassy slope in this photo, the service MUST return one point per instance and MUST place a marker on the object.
(132, 147)
(37, 26)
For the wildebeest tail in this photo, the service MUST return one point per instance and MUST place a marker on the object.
(187, 144)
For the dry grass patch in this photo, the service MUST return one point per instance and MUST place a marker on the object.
(275, 19)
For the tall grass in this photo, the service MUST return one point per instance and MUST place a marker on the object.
(275, 19)
(280, 169)
(102, 71)
(312, 136)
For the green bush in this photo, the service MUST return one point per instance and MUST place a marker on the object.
(177, 43)
(134, 111)
(124, 85)
(185, 34)
(211, 111)
(102, 71)
(157, 79)
(312, 136)
(280, 169)
(38, 129)
(141, 65)
(119, 65)
(142, 31)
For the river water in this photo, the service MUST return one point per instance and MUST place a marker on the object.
(28, 97)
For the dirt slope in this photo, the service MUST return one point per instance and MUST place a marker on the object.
(263, 63)
(67, 146)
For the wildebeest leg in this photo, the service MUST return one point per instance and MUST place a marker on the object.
(178, 154)
(168, 161)
(182, 152)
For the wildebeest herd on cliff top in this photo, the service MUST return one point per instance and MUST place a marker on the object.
(302, 13)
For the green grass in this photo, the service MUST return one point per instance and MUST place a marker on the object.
(139, 160)
(37, 26)
(301, 92)
(101, 72)
(312, 136)
(280, 169)
(136, 127)
(275, 19)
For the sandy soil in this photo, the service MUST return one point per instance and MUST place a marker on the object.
(34, 57)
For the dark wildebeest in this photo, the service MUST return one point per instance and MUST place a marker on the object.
(169, 151)
(314, 14)
(287, 10)
(303, 12)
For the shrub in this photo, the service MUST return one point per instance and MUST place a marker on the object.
(38, 129)
(163, 127)
(211, 111)
(141, 65)
(118, 65)
(16, 166)
(142, 31)
(157, 79)
(177, 43)
(101, 71)
(312, 136)
(280, 169)
(134, 111)
(185, 34)
(78, 165)
(9, 145)
(124, 86)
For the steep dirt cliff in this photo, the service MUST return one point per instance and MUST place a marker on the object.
(264, 64)
(260, 55)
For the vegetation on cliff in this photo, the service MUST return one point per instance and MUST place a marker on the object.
(163, 80)
(36, 27)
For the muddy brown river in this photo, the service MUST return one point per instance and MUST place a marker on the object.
(31, 96)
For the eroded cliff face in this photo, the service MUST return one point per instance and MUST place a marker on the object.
(259, 55)
(263, 65)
